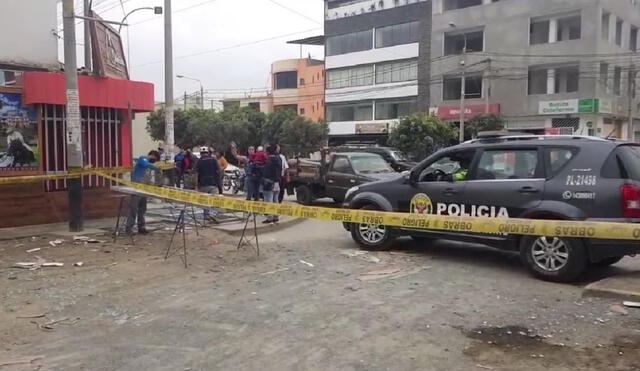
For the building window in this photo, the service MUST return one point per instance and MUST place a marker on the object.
(405, 33)
(349, 43)
(454, 42)
(452, 86)
(633, 39)
(302, 111)
(386, 110)
(301, 82)
(619, 32)
(460, 4)
(606, 19)
(287, 107)
(349, 77)
(617, 80)
(554, 80)
(604, 77)
(350, 112)
(254, 106)
(286, 80)
(566, 28)
(396, 71)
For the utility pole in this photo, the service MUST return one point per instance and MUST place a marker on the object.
(168, 82)
(487, 99)
(73, 129)
(201, 96)
(185, 100)
(630, 90)
(87, 36)
(463, 91)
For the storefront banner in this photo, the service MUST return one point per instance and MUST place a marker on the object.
(18, 134)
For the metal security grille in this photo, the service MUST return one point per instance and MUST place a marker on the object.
(566, 126)
(100, 143)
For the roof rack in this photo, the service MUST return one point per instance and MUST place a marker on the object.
(514, 137)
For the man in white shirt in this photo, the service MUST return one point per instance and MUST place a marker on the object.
(284, 178)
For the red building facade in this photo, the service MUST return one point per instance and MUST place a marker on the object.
(32, 142)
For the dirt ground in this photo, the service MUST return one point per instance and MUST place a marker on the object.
(311, 301)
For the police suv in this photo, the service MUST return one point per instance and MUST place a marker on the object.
(525, 176)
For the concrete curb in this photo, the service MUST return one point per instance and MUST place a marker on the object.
(236, 228)
(625, 286)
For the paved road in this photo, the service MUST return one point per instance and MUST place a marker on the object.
(312, 301)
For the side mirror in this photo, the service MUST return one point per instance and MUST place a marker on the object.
(413, 177)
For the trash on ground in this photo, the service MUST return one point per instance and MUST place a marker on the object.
(307, 263)
(55, 243)
(81, 238)
(274, 272)
(631, 304)
(353, 254)
(41, 263)
(34, 250)
(32, 315)
(78, 264)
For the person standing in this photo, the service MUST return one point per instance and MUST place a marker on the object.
(271, 181)
(138, 204)
(208, 171)
(223, 167)
(284, 177)
(179, 160)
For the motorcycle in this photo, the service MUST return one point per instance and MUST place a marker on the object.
(233, 180)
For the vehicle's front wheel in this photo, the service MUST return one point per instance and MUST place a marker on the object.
(553, 258)
(372, 236)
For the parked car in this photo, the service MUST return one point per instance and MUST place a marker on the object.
(532, 177)
(333, 176)
(396, 159)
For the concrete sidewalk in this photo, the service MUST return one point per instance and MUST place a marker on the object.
(624, 286)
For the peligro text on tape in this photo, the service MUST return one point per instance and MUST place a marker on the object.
(72, 173)
(469, 224)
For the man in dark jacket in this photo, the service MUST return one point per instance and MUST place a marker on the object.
(271, 180)
(208, 170)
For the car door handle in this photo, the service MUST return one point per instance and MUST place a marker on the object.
(352, 180)
(450, 192)
(528, 190)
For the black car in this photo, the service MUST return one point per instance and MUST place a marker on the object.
(534, 177)
(396, 159)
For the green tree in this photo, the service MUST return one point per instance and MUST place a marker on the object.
(489, 122)
(420, 135)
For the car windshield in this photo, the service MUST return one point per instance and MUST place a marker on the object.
(399, 156)
(370, 165)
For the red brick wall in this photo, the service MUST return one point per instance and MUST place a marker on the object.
(28, 204)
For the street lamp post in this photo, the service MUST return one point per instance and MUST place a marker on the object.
(201, 88)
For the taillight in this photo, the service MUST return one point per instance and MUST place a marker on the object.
(630, 201)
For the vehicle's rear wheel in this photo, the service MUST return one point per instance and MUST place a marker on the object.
(304, 195)
(553, 258)
(372, 236)
(608, 261)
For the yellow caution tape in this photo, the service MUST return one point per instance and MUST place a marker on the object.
(465, 224)
(72, 173)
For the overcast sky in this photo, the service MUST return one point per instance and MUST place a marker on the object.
(205, 28)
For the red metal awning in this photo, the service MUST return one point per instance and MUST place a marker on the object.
(49, 88)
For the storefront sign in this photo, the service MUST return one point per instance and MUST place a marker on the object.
(558, 107)
(18, 134)
(588, 106)
(108, 53)
(371, 128)
(471, 111)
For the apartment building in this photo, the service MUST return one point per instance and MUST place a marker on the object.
(548, 66)
(376, 53)
(296, 84)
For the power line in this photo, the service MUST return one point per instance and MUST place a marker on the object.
(296, 12)
(228, 47)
